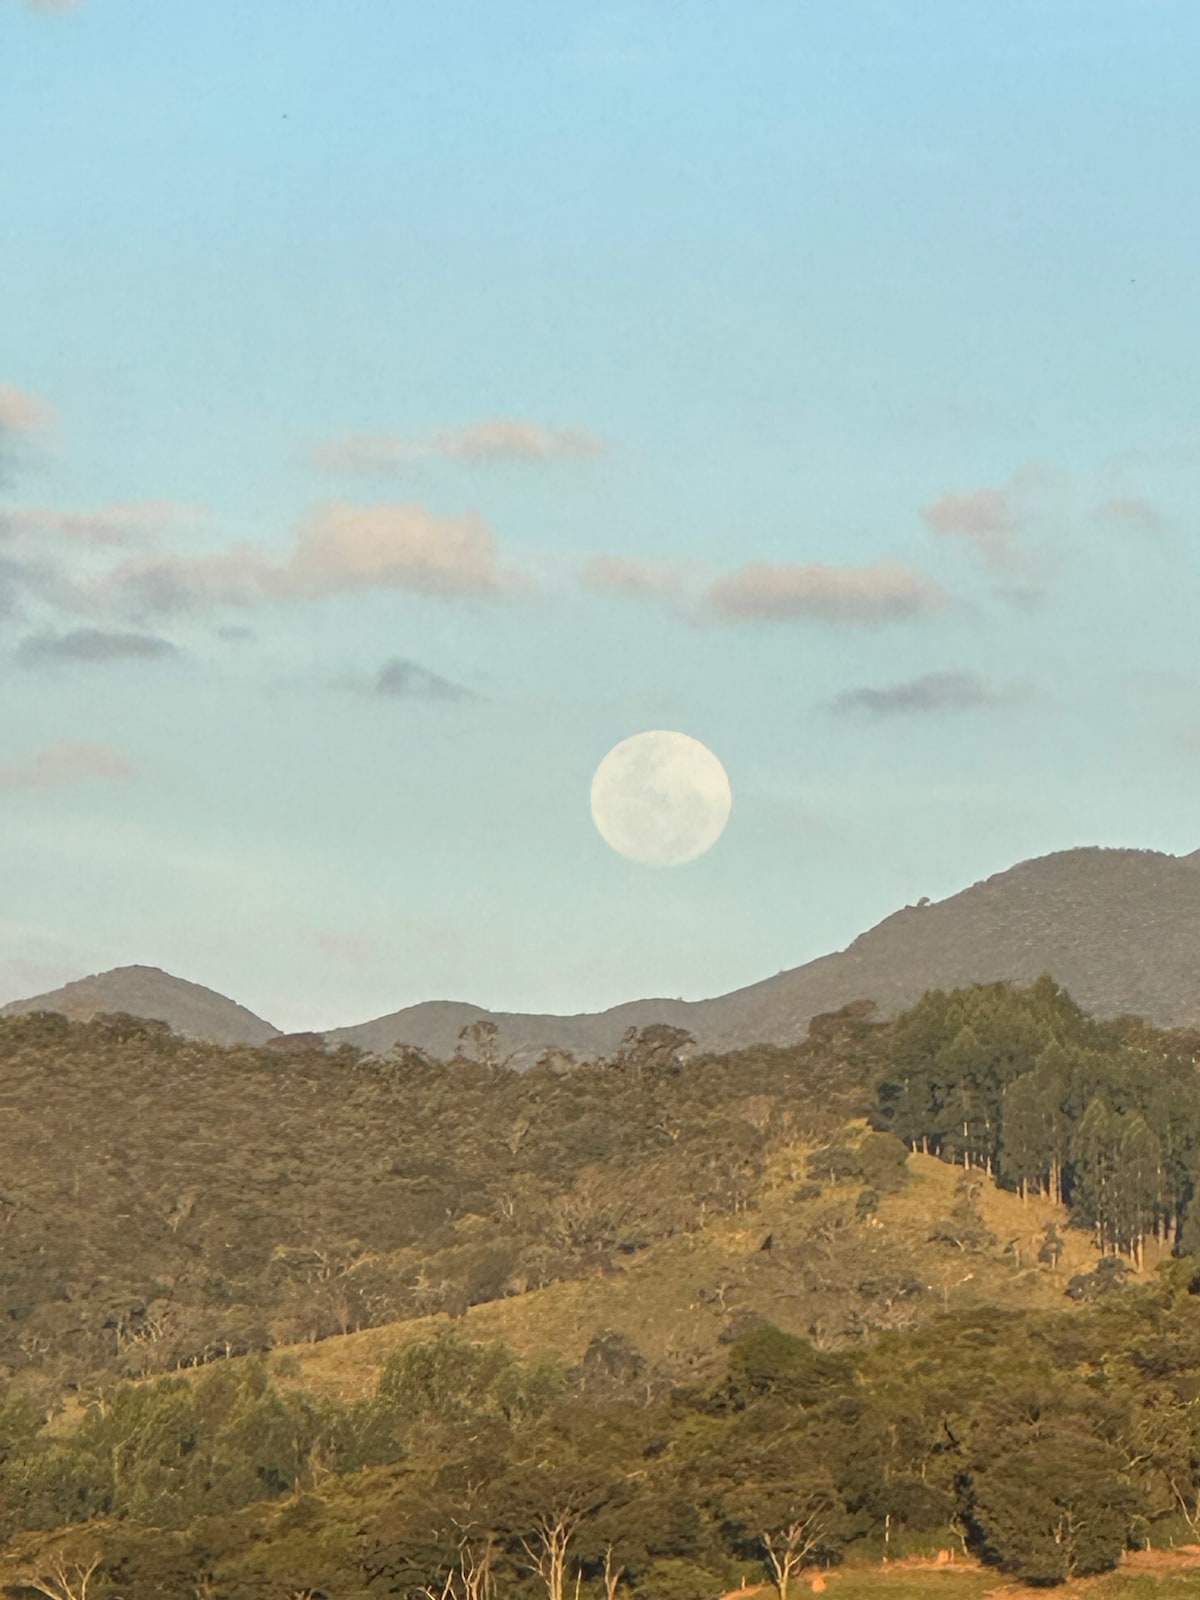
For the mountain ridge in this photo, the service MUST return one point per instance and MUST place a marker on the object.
(1119, 928)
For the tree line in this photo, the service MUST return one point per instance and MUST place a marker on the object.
(1021, 1084)
(1044, 1443)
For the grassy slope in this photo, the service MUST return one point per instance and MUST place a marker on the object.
(668, 1300)
(658, 1301)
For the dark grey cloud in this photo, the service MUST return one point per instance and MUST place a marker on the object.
(93, 645)
(404, 679)
(934, 691)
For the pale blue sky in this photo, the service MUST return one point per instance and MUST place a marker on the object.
(862, 337)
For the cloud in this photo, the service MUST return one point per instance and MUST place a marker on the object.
(934, 691)
(999, 522)
(112, 527)
(21, 412)
(39, 578)
(882, 592)
(635, 579)
(1018, 529)
(65, 762)
(1133, 512)
(22, 417)
(338, 549)
(399, 678)
(495, 439)
(986, 518)
(94, 645)
(406, 679)
(342, 547)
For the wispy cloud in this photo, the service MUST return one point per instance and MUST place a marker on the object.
(117, 526)
(986, 518)
(933, 691)
(637, 579)
(93, 646)
(21, 412)
(495, 439)
(338, 549)
(1016, 528)
(65, 762)
(41, 578)
(23, 417)
(883, 591)
(1133, 512)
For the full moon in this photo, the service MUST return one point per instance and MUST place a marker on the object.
(661, 798)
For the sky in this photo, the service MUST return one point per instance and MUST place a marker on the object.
(401, 405)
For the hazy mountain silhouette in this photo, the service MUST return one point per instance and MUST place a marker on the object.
(1119, 929)
(148, 992)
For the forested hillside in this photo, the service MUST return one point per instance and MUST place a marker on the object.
(277, 1322)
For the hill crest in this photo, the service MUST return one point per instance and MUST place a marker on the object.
(157, 996)
(1118, 928)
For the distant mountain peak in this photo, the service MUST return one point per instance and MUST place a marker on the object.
(142, 991)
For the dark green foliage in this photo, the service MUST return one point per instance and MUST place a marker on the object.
(767, 1362)
(879, 1160)
(169, 1203)
(1053, 1441)
(451, 1380)
(1046, 1496)
(1019, 1082)
(1109, 1273)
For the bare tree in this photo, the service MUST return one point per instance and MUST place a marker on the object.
(62, 1582)
(472, 1576)
(547, 1554)
(789, 1548)
(613, 1573)
(1189, 1507)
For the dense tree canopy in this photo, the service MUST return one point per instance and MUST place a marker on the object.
(168, 1207)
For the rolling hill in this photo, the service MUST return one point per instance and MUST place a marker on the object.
(147, 992)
